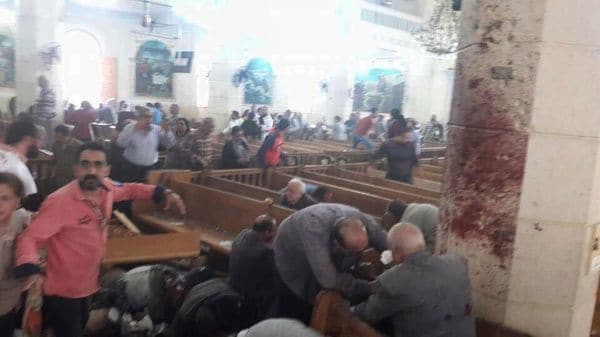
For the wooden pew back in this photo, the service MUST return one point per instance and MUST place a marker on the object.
(219, 215)
(332, 317)
(372, 204)
(370, 188)
(346, 174)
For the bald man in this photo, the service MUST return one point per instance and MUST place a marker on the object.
(252, 270)
(315, 249)
(425, 295)
(295, 195)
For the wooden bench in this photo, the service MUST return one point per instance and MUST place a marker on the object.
(249, 182)
(332, 317)
(370, 188)
(152, 248)
(372, 204)
(346, 174)
(218, 215)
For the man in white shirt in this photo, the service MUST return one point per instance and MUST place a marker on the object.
(265, 121)
(234, 121)
(21, 142)
(141, 141)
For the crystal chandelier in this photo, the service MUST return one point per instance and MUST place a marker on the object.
(440, 34)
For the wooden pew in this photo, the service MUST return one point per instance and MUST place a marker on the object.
(232, 186)
(332, 317)
(218, 215)
(152, 248)
(372, 204)
(370, 188)
(246, 182)
(421, 173)
(346, 174)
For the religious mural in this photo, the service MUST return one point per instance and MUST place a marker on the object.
(153, 71)
(381, 88)
(258, 83)
(7, 62)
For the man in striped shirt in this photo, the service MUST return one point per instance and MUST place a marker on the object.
(45, 109)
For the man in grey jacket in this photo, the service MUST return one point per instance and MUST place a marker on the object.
(424, 216)
(315, 248)
(425, 295)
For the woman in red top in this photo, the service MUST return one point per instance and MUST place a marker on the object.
(269, 153)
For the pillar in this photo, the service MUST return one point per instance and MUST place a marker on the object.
(223, 96)
(38, 23)
(522, 183)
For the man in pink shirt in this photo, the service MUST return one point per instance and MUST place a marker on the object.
(71, 224)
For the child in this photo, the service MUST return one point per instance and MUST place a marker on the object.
(12, 223)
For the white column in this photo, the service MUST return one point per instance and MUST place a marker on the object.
(38, 23)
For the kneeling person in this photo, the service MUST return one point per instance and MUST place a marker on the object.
(425, 295)
(295, 195)
(252, 271)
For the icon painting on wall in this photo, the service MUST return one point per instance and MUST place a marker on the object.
(381, 88)
(7, 62)
(258, 83)
(153, 71)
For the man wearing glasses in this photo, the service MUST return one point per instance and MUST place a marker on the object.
(315, 248)
(72, 225)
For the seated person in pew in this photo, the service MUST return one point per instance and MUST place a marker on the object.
(316, 248)
(424, 216)
(210, 309)
(425, 295)
(295, 195)
(252, 271)
(401, 156)
(64, 150)
(236, 153)
(72, 225)
(278, 327)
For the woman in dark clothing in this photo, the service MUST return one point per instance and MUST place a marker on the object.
(236, 153)
(396, 124)
(401, 156)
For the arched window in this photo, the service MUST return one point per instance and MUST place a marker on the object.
(153, 73)
(82, 75)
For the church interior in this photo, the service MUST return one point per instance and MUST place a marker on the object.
(341, 168)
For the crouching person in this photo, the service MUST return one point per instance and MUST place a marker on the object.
(210, 309)
(424, 294)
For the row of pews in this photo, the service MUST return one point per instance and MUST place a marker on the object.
(221, 203)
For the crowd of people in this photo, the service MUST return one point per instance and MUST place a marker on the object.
(275, 270)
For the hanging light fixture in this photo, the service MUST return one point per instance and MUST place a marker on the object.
(440, 34)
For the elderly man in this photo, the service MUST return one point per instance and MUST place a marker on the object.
(140, 141)
(425, 295)
(424, 216)
(295, 195)
(75, 239)
(315, 248)
(252, 271)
